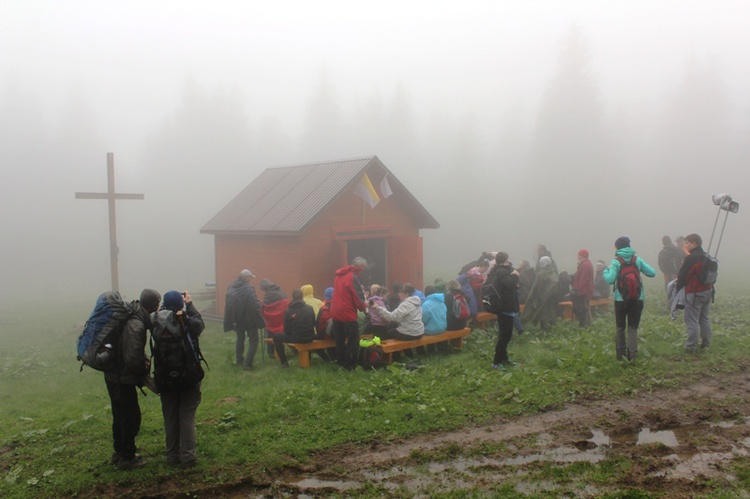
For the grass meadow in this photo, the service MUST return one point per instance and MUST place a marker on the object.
(55, 436)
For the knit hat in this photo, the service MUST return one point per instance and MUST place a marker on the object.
(545, 261)
(173, 301)
(265, 284)
(150, 299)
(622, 242)
(583, 253)
(328, 295)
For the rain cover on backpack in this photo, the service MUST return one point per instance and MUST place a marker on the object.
(99, 338)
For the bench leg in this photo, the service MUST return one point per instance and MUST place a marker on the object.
(458, 343)
(304, 359)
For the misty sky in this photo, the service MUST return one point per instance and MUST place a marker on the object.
(563, 122)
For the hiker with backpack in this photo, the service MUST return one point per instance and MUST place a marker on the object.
(299, 326)
(130, 370)
(178, 373)
(501, 298)
(457, 307)
(624, 273)
(243, 315)
(698, 295)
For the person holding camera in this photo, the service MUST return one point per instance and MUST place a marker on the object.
(178, 373)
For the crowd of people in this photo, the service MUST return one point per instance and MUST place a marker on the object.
(518, 296)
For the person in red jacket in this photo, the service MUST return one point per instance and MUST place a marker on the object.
(583, 288)
(698, 296)
(348, 298)
(274, 305)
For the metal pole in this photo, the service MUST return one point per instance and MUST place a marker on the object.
(112, 221)
(721, 234)
(713, 231)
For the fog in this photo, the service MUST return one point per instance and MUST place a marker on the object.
(514, 123)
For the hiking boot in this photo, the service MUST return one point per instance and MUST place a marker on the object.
(499, 366)
(510, 363)
(130, 464)
(189, 464)
(116, 458)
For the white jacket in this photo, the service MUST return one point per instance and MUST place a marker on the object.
(408, 314)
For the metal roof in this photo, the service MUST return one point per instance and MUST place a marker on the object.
(287, 199)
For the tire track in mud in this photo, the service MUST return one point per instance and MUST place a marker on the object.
(573, 416)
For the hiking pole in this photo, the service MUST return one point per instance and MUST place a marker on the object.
(732, 207)
(724, 201)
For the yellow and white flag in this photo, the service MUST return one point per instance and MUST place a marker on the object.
(366, 191)
(385, 187)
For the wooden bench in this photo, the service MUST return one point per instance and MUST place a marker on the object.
(455, 337)
(602, 304)
(304, 349)
(483, 319)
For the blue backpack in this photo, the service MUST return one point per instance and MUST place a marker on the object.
(99, 340)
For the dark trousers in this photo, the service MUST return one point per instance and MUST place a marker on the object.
(627, 316)
(178, 408)
(280, 339)
(581, 310)
(126, 418)
(504, 334)
(252, 346)
(347, 343)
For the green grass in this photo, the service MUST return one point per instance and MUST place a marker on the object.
(55, 437)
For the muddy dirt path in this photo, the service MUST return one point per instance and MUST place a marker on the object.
(680, 442)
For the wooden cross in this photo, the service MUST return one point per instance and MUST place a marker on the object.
(110, 195)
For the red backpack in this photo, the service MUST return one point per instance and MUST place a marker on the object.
(629, 280)
(460, 307)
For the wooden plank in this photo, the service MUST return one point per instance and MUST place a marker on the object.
(455, 337)
(304, 349)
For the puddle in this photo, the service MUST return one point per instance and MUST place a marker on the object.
(309, 482)
(462, 472)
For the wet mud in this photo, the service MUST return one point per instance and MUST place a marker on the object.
(678, 440)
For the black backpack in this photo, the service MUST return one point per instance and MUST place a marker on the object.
(629, 280)
(177, 356)
(491, 300)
